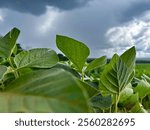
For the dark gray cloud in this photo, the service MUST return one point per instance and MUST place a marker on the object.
(88, 23)
(38, 7)
(138, 7)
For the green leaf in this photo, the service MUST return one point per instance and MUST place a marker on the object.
(146, 102)
(126, 93)
(76, 51)
(143, 88)
(8, 42)
(90, 89)
(101, 102)
(145, 77)
(8, 78)
(118, 73)
(138, 108)
(115, 76)
(36, 58)
(128, 57)
(3, 69)
(24, 71)
(53, 90)
(130, 102)
(99, 62)
(67, 68)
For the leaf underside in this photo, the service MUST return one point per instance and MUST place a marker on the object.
(53, 90)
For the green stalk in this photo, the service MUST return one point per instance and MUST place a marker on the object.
(117, 97)
(110, 109)
(16, 74)
(12, 66)
(82, 78)
(141, 100)
(125, 111)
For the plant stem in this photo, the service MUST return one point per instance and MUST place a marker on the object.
(16, 74)
(117, 96)
(82, 78)
(125, 110)
(110, 109)
(141, 100)
(116, 103)
(12, 66)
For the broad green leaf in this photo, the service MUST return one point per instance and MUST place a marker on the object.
(53, 90)
(145, 77)
(90, 89)
(101, 102)
(138, 108)
(146, 102)
(130, 102)
(115, 76)
(36, 58)
(67, 68)
(131, 76)
(143, 88)
(8, 42)
(126, 93)
(3, 69)
(97, 63)
(76, 51)
(24, 71)
(118, 73)
(128, 57)
(8, 77)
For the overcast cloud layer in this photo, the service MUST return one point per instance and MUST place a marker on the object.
(106, 26)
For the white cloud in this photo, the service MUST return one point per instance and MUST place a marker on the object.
(36, 31)
(133, 33)
(1, 19)
(109, 52)
(87, 24)
(45, 22)
(1, 16)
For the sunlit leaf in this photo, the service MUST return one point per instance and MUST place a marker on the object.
(126, 93)
(8, 42)
(37, 58)
(138, 108)
(143, 88)
(76, 51)
(118, 73)
(99, 62)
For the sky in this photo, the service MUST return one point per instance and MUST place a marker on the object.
(105, 26)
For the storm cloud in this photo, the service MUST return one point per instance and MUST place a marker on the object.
(135, 9)
(106, 26)
(38, 7)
